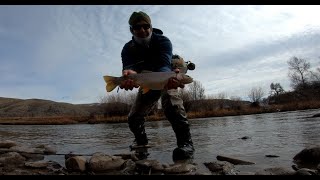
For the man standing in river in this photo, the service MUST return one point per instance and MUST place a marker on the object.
(150, 50)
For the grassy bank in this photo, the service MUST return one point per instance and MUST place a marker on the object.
(51, 120)
(159, 116)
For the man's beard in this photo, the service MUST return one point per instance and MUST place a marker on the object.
(143, 41)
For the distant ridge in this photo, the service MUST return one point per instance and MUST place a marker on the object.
(12, 107)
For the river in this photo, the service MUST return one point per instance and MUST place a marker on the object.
(283, 134)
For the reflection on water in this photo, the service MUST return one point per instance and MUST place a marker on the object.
(283, 134)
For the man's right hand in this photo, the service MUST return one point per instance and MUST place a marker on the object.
(173, 82)
(128, 83)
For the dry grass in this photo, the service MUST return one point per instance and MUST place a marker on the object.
(158, 117)
(101, 119)
(54, 120)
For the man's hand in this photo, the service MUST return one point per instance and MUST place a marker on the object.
(173, 82)
(128, 83)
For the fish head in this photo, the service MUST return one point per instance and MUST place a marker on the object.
(185, 79)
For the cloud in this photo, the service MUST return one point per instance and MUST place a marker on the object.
(62, 52)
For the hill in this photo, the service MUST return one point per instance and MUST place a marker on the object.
(11, 107)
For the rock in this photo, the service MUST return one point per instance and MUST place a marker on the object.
(129, 167)
(272, 156)
(26, 149)
(245, 137)
(276, 171)
(100, 162)
(12, 159)
(38, 164)
(234, 160)
(32, 157)
(308, 157)
(316, 115)
(146, 166)
(7, 144)
(76, 163)
(47, 149)
(305, 171)
(180, 168)
(13, 162)
(220, 167)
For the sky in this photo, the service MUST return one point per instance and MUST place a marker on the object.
(62, 52)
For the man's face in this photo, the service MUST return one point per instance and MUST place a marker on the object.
(141, 29)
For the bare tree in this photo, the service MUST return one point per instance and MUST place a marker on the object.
(236, 102)
(222, 99)
(211, 96)
(196, 90)
(222, 95)
(184, 94)
(298, 71)
(115, 104)
(120, 97)
(186, 98)
(256, 94)
(276, 89)
(112, 98)
(131, 98)
(235, 98)
(315, 76)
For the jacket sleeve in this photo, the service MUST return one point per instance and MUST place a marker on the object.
(165, 48)
(127, 61)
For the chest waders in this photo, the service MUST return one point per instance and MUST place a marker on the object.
(174, 110)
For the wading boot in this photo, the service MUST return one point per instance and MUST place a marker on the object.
(185, 149)
(183, 152)
(140, 146)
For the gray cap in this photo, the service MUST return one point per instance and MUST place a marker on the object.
(139, 16)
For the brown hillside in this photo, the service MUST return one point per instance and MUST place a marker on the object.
(10, 107)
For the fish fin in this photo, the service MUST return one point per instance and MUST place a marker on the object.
(111, 85)
(145, 90)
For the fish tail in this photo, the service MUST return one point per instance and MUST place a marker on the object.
(111, 83)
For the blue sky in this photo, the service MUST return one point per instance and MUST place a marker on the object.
(62, 52)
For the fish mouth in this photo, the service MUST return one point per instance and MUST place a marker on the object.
(188, 81)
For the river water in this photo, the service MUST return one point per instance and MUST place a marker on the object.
(283, 134)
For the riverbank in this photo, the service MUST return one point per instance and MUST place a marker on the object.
(95, 119)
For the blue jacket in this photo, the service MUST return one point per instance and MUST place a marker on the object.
(157, 57)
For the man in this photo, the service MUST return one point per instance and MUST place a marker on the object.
(150, 50)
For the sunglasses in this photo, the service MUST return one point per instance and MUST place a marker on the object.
(139, 26)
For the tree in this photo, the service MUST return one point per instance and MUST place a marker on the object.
(315, 76)
(298, 72)
(276, 89)
(120, 97)
(184, 94)
(196, 91)
(255, 95)
(236, 102)
(222, 97)
(117, 104)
